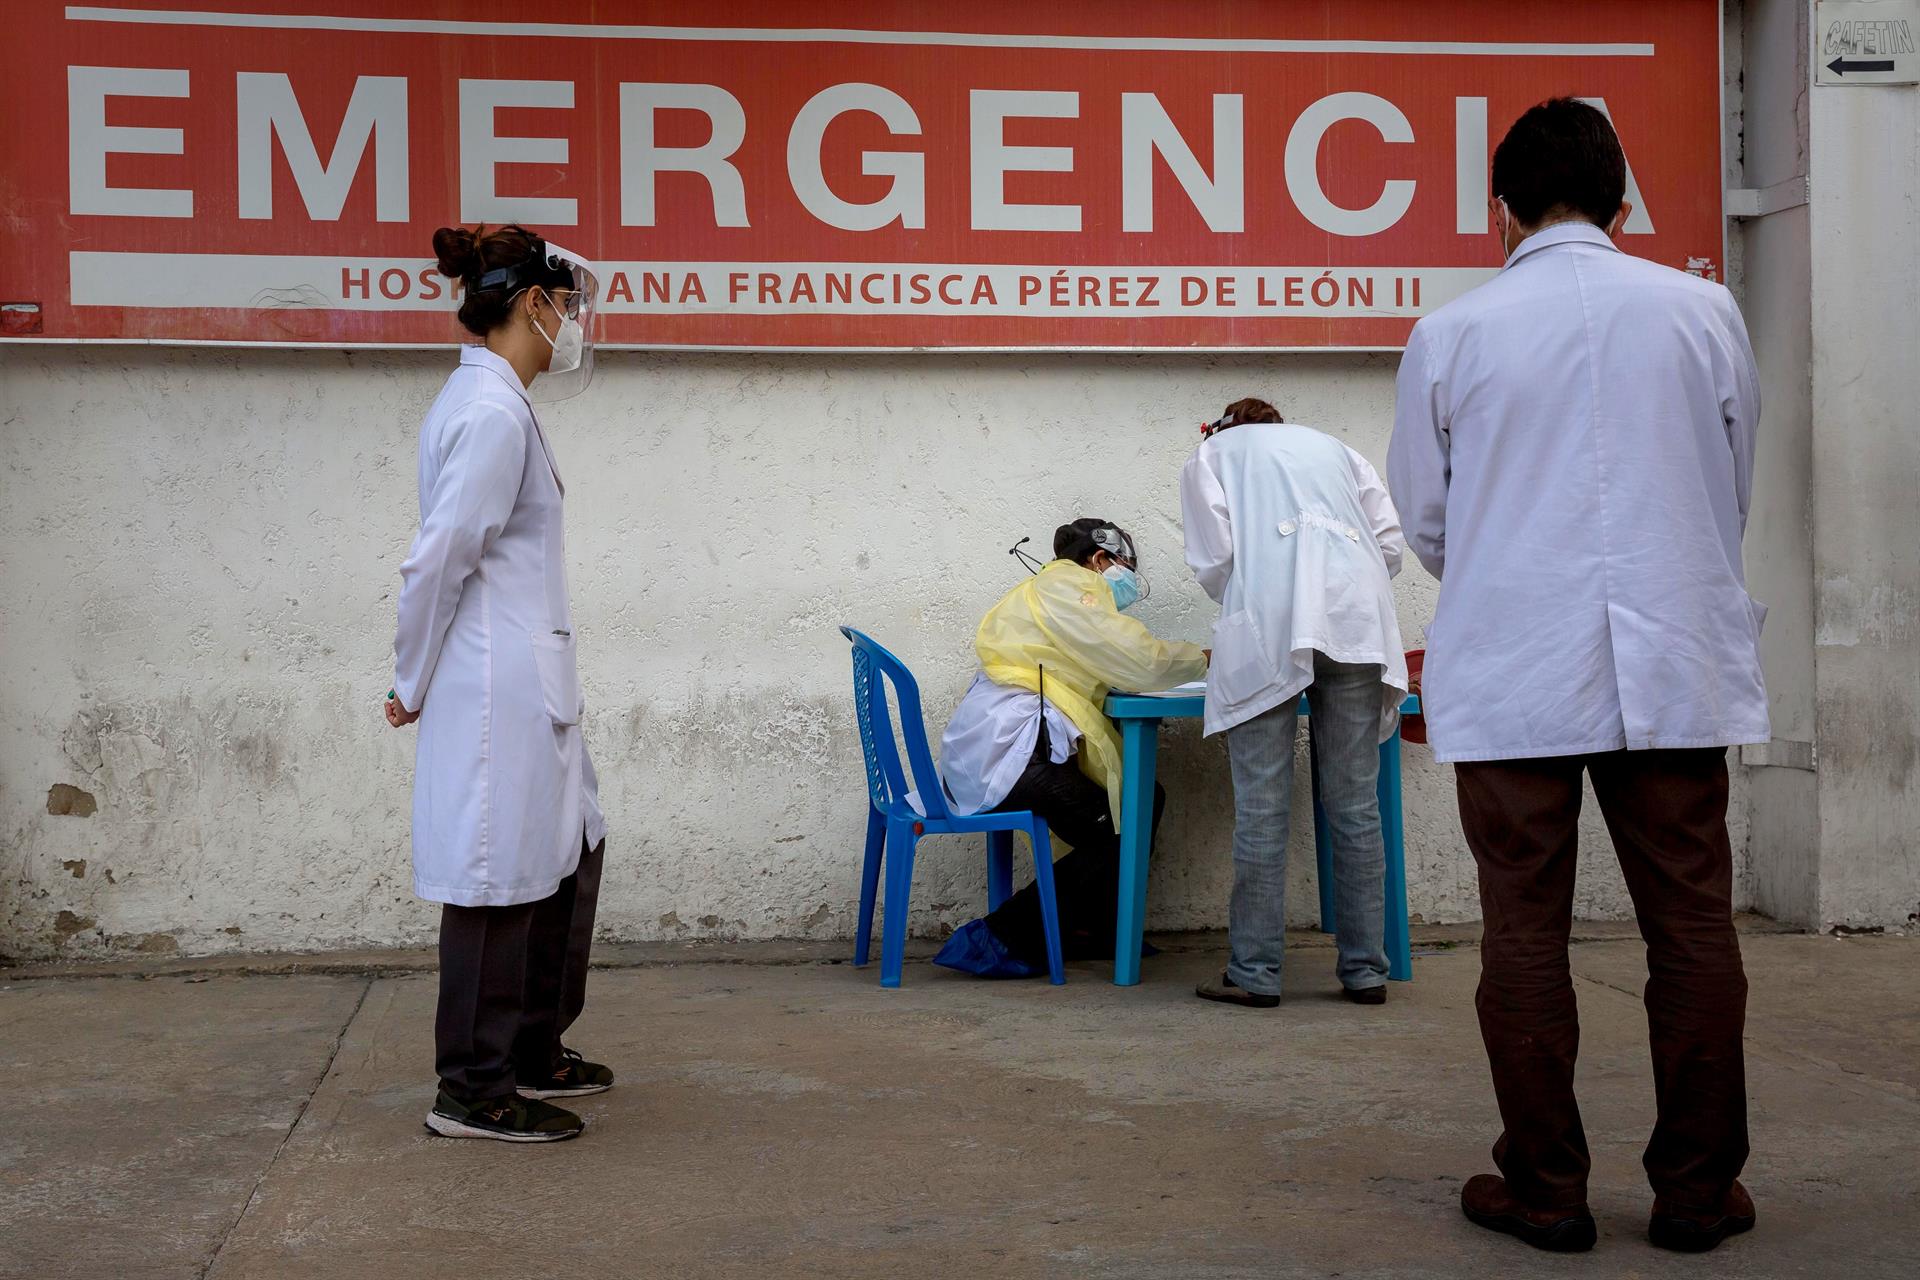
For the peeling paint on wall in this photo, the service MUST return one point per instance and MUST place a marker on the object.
(64, 800)
(66, 925)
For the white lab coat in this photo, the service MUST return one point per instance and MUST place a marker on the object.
(504, 794)
(1293, 534)
(990, 741)
(1572, 453)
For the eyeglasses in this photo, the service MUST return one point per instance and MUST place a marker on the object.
(565, 301)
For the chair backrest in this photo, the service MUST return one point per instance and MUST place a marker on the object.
(873, 670)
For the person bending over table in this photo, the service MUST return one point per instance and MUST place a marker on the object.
(1293, 534)
(1030, 735)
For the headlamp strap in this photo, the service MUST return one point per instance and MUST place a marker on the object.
(1116, 542)
(512, 278)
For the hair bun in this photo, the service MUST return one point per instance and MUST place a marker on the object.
(458, 250)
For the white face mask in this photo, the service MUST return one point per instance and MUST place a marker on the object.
(567, 345)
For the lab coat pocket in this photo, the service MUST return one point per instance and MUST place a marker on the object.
(553, 658)
(1241, 668)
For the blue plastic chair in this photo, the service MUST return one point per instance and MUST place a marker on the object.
(894, 827)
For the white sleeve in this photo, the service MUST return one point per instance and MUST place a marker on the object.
(1381, 515)
(1418, 463)
(479, 481)
(1740, 404)
(1209, 529)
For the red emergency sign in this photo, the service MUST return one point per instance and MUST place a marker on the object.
(803, 174)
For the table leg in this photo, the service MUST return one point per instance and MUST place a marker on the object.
(1140, 741)
(1393, 836)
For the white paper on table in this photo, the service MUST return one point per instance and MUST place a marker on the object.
(1191, 689)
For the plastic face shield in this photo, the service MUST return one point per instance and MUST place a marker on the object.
(1116, 542)
(578, 300)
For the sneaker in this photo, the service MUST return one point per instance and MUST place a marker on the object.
(1366, 995)
(1224, 990)
(572, 1077)
(508, 1119)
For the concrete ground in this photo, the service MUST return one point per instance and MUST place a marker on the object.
(779, 1115)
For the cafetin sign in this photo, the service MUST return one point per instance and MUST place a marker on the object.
(1151, 175)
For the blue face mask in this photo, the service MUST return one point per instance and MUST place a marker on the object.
(1126, 586)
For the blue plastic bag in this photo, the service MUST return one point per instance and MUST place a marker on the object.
(973, 949)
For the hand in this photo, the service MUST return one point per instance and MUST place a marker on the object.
(398, 716)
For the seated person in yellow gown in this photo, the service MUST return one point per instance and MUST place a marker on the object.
(1030, 735)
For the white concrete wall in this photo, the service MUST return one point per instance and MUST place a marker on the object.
(1865, 234)
(1776, 292)
(1829, 290)
(199, 551)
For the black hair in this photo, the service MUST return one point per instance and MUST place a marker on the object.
(1075, 541)
(516, 255)
(1561, 157)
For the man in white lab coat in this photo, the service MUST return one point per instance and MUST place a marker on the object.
(1293, 534)
(1572, 451)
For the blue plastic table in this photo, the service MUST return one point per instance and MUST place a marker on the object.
(1139, 716)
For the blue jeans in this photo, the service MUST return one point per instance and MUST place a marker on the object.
(1346, 738)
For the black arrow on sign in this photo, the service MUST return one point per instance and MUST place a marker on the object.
(1840, 66)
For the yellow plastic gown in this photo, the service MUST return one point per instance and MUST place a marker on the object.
(1063, 619)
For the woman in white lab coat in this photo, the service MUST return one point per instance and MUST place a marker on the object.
(1294, 535)
(507, 830)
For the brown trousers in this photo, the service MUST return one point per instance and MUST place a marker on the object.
(1667, 813)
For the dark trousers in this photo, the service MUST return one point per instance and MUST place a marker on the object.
(1667, 813)
(1086, 882)
(512, 980)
